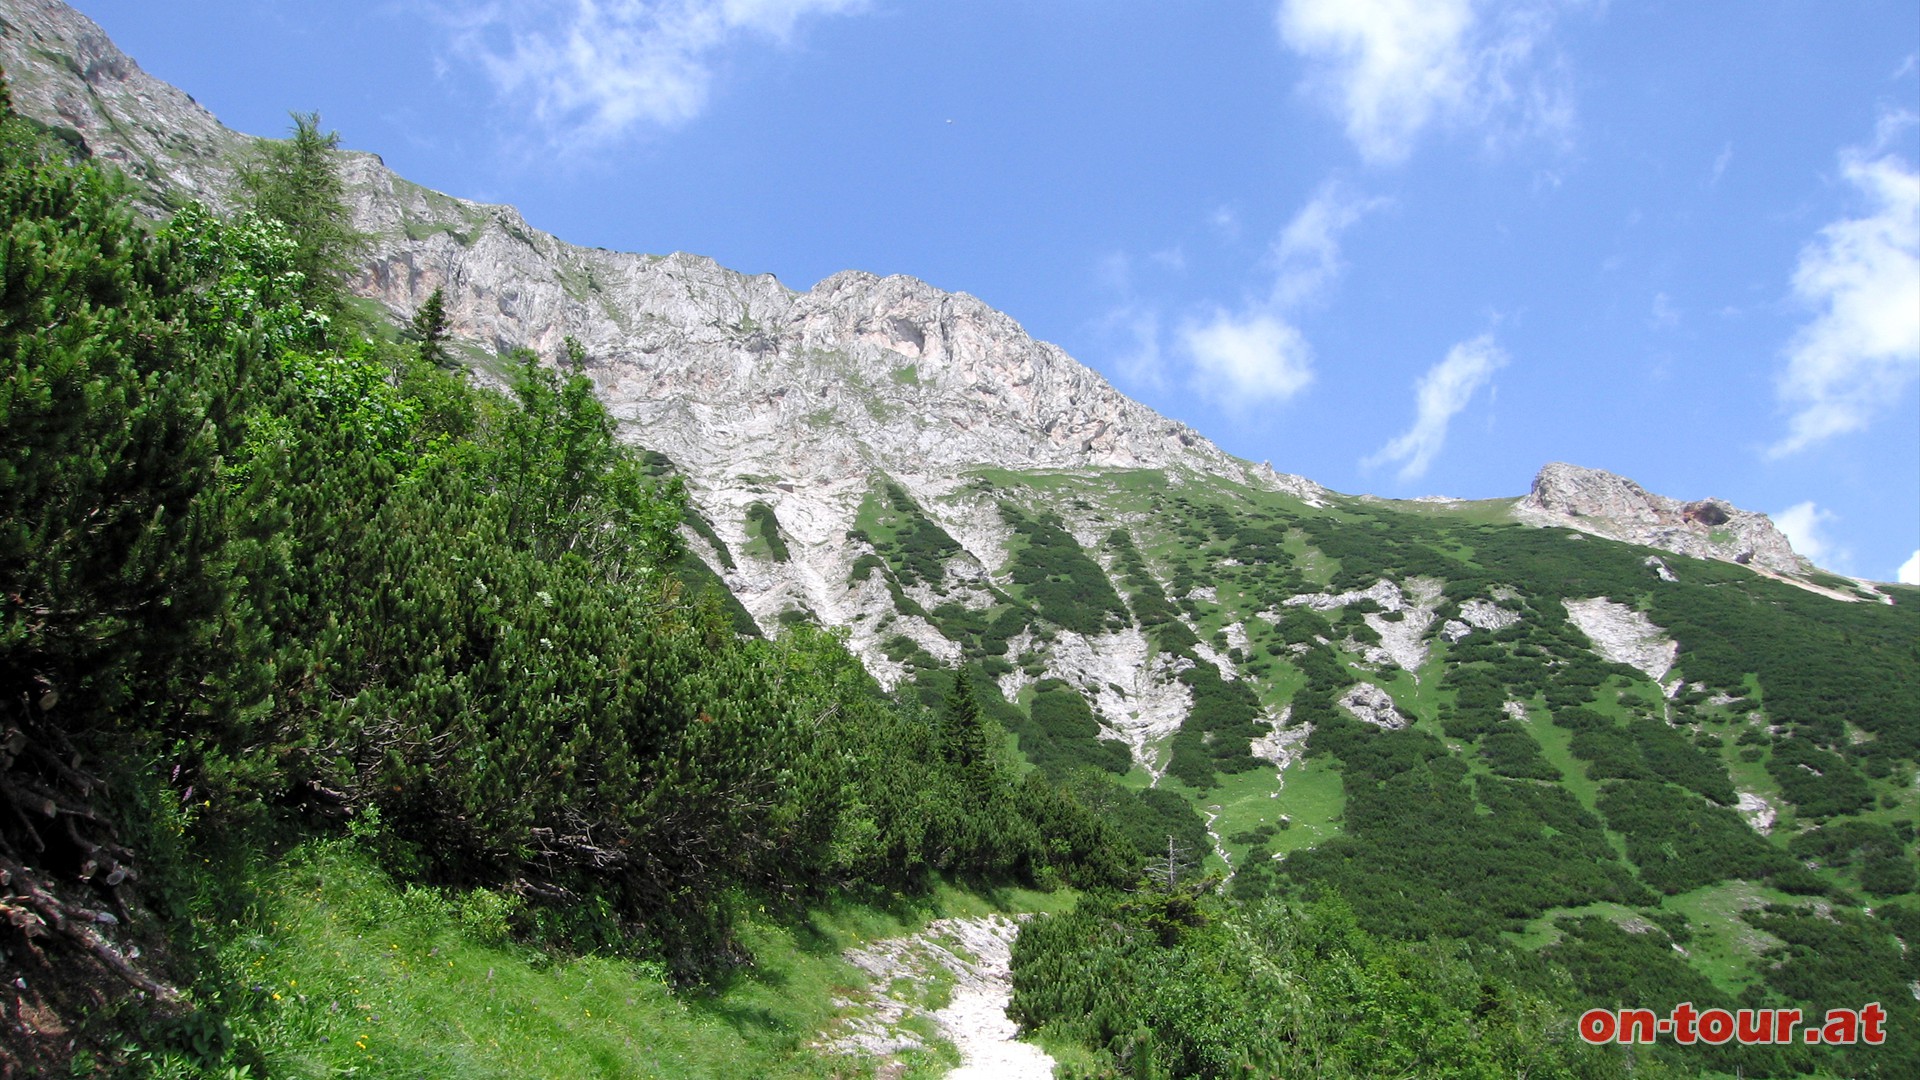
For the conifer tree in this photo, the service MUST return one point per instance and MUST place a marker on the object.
(296, 183)
(964, 740)
(430, 330)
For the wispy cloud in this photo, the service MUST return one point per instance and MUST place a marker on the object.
(1664, 315)
(1139, 360)
(1393, 68)
(1720, 163)
(1862, 351)
(1246, 359)
(1909, 572)
(1308, 251)
(1439, 396)
(1806, 527)
(596, 71)
(1256, 355)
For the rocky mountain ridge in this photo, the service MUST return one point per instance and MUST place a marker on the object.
(1615, 507)
(786, 411)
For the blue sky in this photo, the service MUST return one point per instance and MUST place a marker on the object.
(1399, 246)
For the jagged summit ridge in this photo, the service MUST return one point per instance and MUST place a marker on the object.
(1605, 504)
(708, 365)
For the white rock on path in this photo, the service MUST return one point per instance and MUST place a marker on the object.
(978, 954)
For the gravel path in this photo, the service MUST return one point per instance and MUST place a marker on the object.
(976, 954)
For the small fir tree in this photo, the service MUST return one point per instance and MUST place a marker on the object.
(430, 330)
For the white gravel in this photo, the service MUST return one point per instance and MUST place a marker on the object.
(978, 953)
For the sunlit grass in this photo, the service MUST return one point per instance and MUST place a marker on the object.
(348, 975)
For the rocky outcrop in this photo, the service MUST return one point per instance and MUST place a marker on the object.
(1624, 636)
(1372, 705)
(710, 365)
(1615, 507)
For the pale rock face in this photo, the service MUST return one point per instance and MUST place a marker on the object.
(1373, 705)
(1382, 592)
(1612, 506)
(736, 377)
(1478, 614)
(156, 134)
(1624, 636)
(1404, 640)
(1135, 692)
(1283, 745)
(1759, 812)
(1486, 615)
(803, 400)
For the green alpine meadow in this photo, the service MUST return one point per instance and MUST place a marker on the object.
(429, 649)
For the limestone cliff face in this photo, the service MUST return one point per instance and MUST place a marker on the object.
(705, 361)
(67, 73)
(1615, 507)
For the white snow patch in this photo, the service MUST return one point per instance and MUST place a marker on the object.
(1624, 636)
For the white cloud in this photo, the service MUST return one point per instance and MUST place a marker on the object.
(1308, 251)
(1805, 525)
(597, 70)
(1257, 354)
(1391, 68)
(1440, 395)
(1225, 221)
(1909, 572)
(1248, 359)
(1862, 350)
